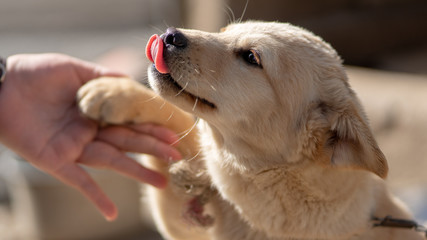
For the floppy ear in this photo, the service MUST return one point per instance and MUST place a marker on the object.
(352, 144)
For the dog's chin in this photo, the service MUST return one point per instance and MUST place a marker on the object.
(167, 87)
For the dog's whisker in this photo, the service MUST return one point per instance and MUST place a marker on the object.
(230, 14)
(210, 85)
(180, 77)
(195, 104)
(163, 104)
(198, 94)
(211, 77)
(195, 156)
(182, 89)
(170, 116)
(186, 132)
(151, 99)
(138, 37)
(165, 23)
(239, 20)
(156, 28)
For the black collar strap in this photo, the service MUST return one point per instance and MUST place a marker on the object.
(2, 69)
(398, 223)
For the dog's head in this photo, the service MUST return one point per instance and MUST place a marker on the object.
(277, 90)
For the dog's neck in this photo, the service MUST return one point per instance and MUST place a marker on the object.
(241, 151)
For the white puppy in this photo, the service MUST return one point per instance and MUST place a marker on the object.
(285, 150)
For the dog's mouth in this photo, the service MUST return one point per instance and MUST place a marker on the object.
(168, 79)
(155, 53)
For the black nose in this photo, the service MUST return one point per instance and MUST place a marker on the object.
(175, 38)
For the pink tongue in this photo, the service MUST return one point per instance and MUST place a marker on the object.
(154, 52)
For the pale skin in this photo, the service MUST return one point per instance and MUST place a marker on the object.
(39, 120)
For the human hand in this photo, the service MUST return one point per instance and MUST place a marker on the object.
(40, 121)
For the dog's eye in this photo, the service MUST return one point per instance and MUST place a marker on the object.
(251, 57)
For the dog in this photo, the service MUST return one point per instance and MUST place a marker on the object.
(282, 148)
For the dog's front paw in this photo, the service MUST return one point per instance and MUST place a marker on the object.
(108, 100)
(190, 177)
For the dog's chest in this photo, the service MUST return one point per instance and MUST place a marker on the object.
(278, 201)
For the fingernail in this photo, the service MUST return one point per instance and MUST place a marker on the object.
(110, 218)
(174, 157)
(111, 215)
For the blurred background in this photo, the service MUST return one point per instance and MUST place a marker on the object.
(383, 44)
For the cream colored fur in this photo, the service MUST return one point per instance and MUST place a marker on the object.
(285, 153)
